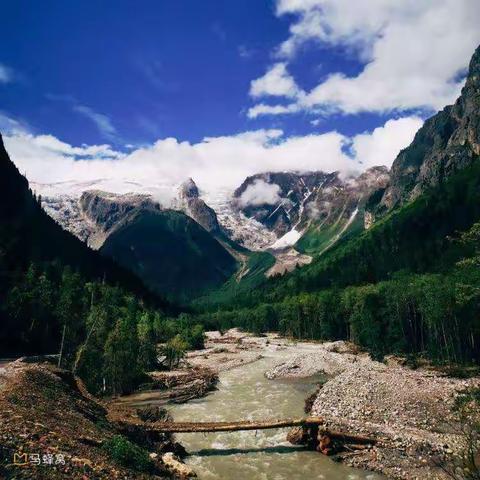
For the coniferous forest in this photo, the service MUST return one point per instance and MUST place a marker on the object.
(59, 297)
(409, 285)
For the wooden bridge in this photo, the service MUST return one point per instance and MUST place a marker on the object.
(311, 426)
(192, 427)
(310, 431)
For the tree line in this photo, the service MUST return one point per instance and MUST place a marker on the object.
(102, 332)
(432, 314)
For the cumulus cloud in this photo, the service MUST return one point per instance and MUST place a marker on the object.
(413, 52)
(260, 193)
(381, 146)
(276, 82)
(216, 163)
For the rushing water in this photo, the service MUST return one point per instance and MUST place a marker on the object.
(245, 394)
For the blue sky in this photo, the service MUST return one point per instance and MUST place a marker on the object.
(316, 79)
(161, 68)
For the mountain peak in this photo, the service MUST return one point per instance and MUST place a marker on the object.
(188, 189)
(189, 201)
(473, 78)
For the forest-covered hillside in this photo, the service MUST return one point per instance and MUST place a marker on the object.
(60, 297)
(409, 283)
(172, 253)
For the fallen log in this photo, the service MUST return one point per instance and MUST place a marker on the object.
(308, 431)
(192, 427)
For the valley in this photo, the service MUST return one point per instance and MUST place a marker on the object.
(417, 433)
(300, 268)
(312, 213)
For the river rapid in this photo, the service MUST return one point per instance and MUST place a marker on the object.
(245, 394)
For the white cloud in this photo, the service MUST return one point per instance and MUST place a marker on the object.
(6, 74)
(264, 109)
(414, 51)
(260, 193)
(276, 82)
(381, 146)
(103, 122)
(216, 164)
(9, 125)
(52, 144)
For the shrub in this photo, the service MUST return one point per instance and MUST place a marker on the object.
(125, 453)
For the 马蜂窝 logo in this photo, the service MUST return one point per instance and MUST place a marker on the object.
(20, 458)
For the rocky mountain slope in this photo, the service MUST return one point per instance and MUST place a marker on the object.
(189, 201)
(98, 212)
(447, 142)
(268, 211)
(300, 207)
(339, 210)
(278, 199)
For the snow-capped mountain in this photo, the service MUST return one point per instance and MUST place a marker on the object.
(278, 199)
(269, 211)
(67, 203)
(288, 203)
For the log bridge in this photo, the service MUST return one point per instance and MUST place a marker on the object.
(308, 431)
(192, 427)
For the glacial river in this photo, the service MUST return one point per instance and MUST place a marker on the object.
(245, 394)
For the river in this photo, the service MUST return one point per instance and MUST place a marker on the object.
(245, 394)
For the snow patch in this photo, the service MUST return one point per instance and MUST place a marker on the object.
(289, 239)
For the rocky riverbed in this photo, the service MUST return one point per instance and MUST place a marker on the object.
(409, 411)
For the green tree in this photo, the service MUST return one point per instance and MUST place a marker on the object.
(174, 350)
(147, 352)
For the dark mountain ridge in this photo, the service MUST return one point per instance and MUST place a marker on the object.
(29, 236)
(171, 252)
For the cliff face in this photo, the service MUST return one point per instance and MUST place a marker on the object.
(190, 202)
(339, 210)
(314, 208)
(447, 143)
(107, 209)
(278, 199)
